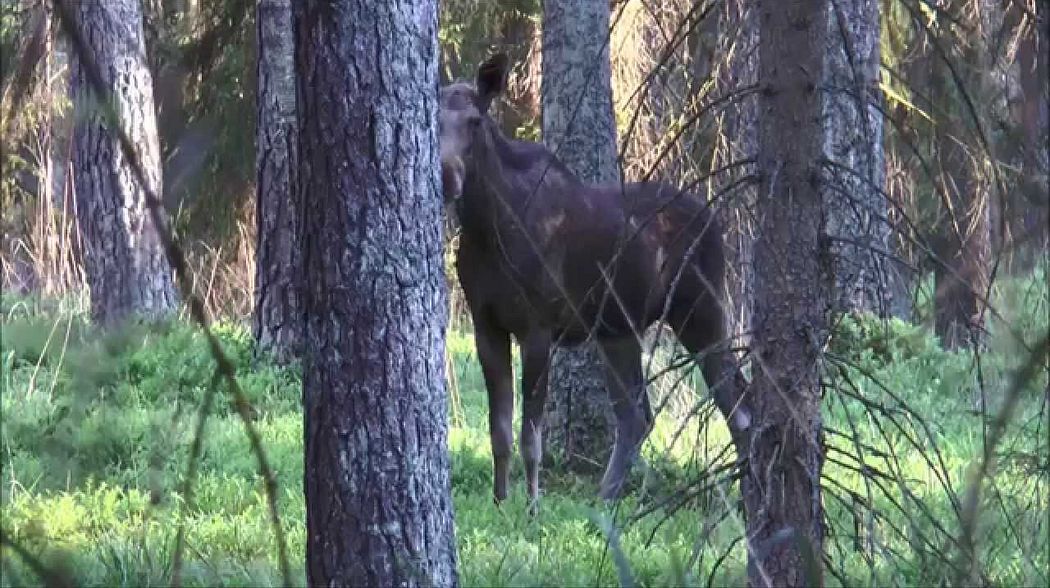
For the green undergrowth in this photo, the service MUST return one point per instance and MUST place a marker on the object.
(96, 431)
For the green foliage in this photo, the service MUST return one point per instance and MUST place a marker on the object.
(869, 339)
(12, 15)
(1018, 320)
(94, 442)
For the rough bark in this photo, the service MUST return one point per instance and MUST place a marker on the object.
(853, 131)
(578, 126)
(376, 480)
(123, 256)
(277, 322)
(781, 486)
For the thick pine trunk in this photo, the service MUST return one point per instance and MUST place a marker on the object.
(277, 322)
(578, 126)
(377, 480)
(781, 486)
(853, 130)
(123, 256)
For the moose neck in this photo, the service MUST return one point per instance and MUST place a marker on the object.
(508, 178)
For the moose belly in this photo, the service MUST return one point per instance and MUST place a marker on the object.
(603, 313)
(570, 298)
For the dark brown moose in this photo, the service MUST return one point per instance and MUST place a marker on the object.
(549, 259)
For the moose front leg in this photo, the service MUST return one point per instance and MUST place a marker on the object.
(634, 417)
(493, 346)
(535, 353)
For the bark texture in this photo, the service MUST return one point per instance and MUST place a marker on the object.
(853, 132)
(781, 486)
(579, 127)
(123, 256)
(377, 481)
(277, 322)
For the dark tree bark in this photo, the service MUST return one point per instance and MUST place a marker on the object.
(793, 278)
(1029, 223)
(962, 240)
(377, 481)
(277, 322)
(578, 126)
(123, 256)
(853, 127)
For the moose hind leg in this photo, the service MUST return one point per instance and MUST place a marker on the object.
(493, 346)
(703, 333)
(535, 369)
(634, 419)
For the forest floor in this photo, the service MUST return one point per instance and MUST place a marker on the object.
(96, 434)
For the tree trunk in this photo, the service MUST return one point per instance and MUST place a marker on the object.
(963, 234)
(66, 252)
(578, 126)
(853, 130)
(277, 323)
(781, 486)
(123, 255)
(376, 479)
(1029, 222)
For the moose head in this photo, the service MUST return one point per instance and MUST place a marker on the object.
(463, 111)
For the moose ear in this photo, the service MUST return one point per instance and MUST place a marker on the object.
(492, 79)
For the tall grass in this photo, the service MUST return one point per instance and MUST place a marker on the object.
(95, 434)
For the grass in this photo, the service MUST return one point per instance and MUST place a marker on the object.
(96, 430)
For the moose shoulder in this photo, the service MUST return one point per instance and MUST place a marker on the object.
(550, 259)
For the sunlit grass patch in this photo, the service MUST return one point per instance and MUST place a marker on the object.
(94, 442)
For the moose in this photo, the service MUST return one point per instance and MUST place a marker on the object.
(549, 259)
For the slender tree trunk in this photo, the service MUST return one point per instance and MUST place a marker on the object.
(29, 140)
(277, 323)
(68, 251)
(578, 126)
(781, 486)
(1031, 225)
(853, 130)
(123, 256)
(377, 480)
(963, 234)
